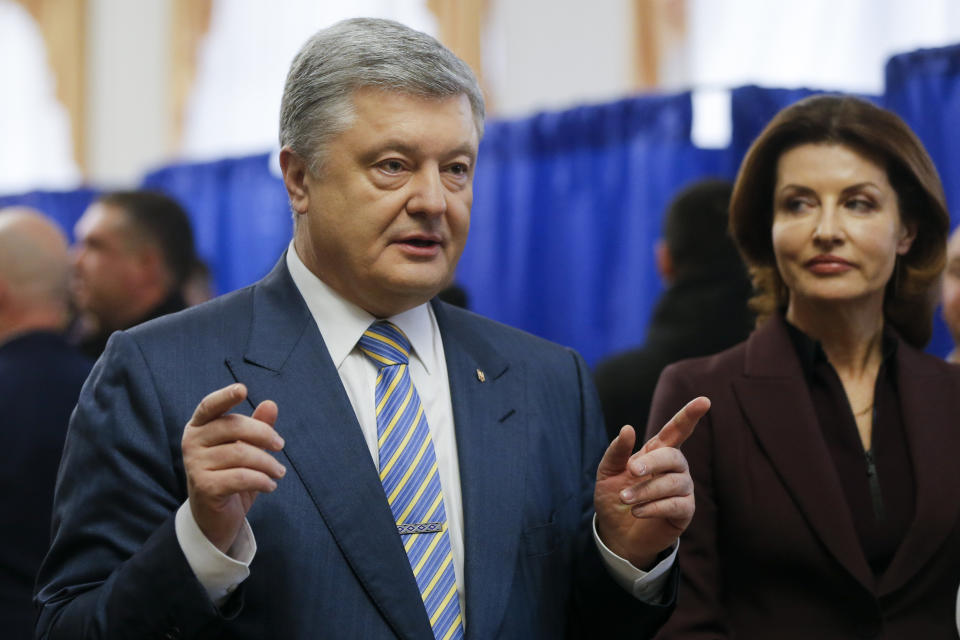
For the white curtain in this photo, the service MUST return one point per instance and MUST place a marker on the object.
(36, 150)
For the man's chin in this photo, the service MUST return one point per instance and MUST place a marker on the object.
(403, 296)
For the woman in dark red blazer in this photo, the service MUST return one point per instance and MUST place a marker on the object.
(827, 473)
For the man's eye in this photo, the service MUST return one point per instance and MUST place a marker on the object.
(391, 166)
(459, 169)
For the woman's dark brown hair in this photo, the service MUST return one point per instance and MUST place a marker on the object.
(882, 137)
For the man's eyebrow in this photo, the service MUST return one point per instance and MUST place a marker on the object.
(407, 149)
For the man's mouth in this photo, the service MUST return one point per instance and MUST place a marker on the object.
(421, 242)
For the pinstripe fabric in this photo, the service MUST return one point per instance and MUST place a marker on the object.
(408, 471)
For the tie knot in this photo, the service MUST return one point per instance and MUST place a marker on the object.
(385, 344)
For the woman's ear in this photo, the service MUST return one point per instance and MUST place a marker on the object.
(908, 233)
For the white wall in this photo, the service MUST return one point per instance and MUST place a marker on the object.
(128, 119)
(823, 44)
(539, 54)
(242, 64)
(552, 54)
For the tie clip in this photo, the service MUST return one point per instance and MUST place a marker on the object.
(420, 527)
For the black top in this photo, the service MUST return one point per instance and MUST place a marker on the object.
(878, 484)
(94, 345)
(696, 317)
(40, 380)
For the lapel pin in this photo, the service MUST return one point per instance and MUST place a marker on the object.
(481, 376)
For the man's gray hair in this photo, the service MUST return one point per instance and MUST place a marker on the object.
(359, 53)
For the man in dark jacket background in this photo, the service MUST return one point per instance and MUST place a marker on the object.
(703, 311)
(40, 380)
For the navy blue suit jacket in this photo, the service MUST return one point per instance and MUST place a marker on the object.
(329, 563)
(40, 379)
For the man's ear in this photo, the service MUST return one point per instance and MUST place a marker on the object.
(4, 294)
(295, 171)
(664, 261)
(151, 267)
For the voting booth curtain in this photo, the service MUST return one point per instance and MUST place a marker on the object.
(567, 205)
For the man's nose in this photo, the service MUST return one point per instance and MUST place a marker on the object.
(429, 196)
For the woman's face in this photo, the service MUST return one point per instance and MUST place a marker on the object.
(837, 228)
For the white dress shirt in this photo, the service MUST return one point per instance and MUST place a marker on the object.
(341, 325)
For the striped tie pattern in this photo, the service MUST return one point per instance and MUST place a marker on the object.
(408, 471)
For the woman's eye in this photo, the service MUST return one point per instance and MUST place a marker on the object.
(860, 204)
(796, 205)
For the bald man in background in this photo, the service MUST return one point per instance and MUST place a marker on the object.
(40, 380)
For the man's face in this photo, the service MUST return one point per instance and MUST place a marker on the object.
(385, 221)
(106, 267)
(951, 287)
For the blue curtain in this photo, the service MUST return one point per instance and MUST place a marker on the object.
(65, 207)
(923, 87)
(566, 211)
(567, 205)
(751, 108)
(240, 214)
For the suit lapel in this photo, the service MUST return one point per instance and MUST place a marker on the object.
(776, 402)
(930, 407)
(487, 396)
(287, 361)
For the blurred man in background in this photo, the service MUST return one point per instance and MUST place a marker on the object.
(703, 311)
(40, 379)
(951, 293)
(134, 252)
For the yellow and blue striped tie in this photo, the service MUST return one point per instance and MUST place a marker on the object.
(408, 471)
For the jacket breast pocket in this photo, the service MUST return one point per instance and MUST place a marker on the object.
(541, 540)
(544, 539)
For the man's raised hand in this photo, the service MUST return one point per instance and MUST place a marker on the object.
(226, 461)
(645, 501)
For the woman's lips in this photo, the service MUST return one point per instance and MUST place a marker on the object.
(828, 265)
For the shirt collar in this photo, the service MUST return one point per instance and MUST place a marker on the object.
(811, 353)
(342, 323)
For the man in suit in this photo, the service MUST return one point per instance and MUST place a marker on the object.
(134, 253)
(703, 311)
(284, 523)
(40, 379)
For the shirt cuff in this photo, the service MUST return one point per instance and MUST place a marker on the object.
(646, 586)
(219, 573)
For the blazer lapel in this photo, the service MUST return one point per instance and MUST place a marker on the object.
(930, 406)
(490, 425)
(287, 361)
(774, 397)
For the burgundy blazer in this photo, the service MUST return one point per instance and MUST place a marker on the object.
(772, 551)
